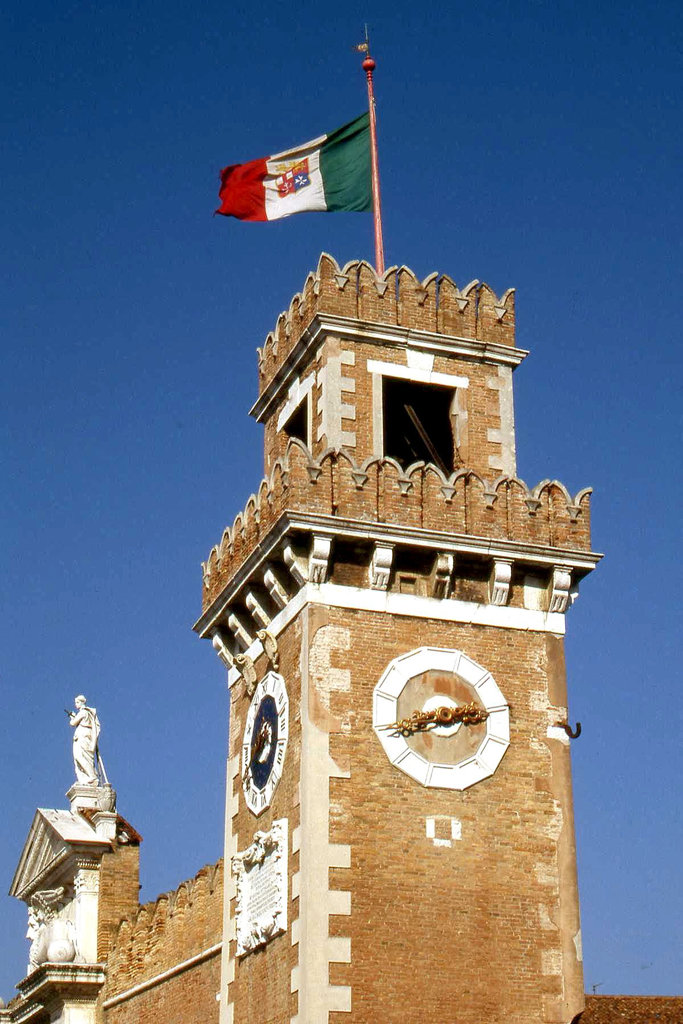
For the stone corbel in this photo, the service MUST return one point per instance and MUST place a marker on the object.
(256, 610)
(319, 559)
(443, 575)
(380, 566)
(245, 665)
(221, 649)
(499, 582)
(237, 627)
(269, 644)
(295, 565)
(559, 589)
(275, 588)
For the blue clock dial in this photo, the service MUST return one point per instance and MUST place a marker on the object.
(264, 742)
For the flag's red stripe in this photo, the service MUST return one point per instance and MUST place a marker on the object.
(242, 194)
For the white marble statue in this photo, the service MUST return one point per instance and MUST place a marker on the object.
(86, 726)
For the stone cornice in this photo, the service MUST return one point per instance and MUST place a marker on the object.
(51, 984)
(372, 333)
(380, 491)
(542, 556)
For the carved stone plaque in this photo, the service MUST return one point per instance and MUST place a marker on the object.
(261, 876)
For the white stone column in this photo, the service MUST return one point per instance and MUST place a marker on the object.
(87, 886)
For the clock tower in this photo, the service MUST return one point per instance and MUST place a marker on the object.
(390, 605)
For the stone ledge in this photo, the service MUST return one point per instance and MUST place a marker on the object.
(72, 980)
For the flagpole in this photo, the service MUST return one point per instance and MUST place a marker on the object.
(369, 67)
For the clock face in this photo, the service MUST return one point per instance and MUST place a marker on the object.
(441, 718)
(265, 742)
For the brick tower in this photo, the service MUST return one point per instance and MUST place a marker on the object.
(390, 605)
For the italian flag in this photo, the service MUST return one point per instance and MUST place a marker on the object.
(327, 174)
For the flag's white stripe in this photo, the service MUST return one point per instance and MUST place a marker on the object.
(311, 197)
(291, 154)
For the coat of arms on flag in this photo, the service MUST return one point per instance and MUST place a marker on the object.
(293, 179)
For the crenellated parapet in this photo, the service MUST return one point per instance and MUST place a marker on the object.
(167, 931)
(397, 298)
(419, 497)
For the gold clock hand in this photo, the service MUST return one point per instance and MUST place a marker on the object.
(419, 721)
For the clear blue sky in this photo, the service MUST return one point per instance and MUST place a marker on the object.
(535, 145)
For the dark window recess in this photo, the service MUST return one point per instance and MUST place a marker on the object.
(297, 424)
(418, 424)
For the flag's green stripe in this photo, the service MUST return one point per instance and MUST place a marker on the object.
(345, 166)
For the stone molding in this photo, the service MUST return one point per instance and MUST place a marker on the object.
(579, 563)
(416, 373)
(380, 541)
(333, 595)
(52, 985)
(179, 968)
(348, 331)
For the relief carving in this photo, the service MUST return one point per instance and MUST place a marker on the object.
(261, 875)
(53, 939)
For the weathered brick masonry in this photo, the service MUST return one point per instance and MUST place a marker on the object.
(164, 964)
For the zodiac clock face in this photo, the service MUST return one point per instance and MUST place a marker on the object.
(441, 718)
(265, 742)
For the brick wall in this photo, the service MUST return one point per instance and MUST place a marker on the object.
(481, 925)
(119, 893)
(486, 925)
(155, 946)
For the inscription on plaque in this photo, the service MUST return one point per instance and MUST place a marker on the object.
(261, 875)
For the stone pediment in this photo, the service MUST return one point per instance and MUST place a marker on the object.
(53, 837)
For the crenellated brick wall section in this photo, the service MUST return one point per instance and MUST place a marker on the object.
(162, 935)
(380, 491)
(396, 297)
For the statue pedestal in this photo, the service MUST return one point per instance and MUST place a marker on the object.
(94, 798)
(105, 824)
